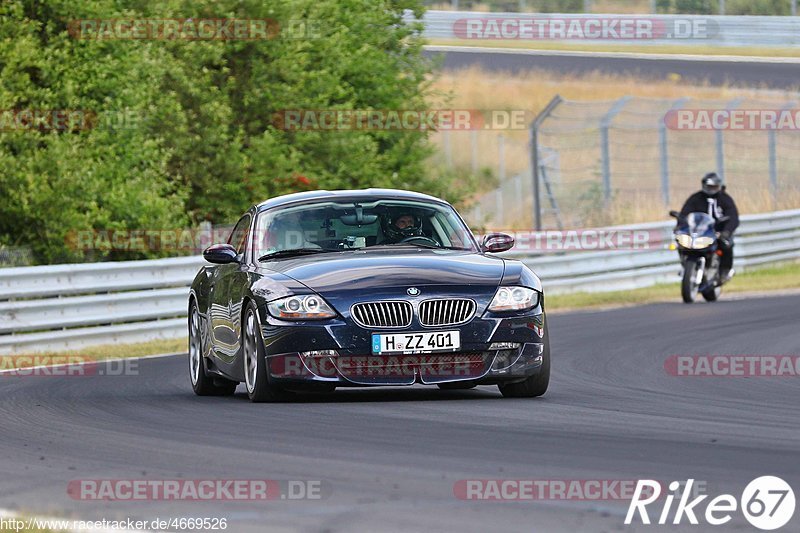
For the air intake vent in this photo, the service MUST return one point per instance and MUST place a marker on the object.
(383, 314)
(445, 312)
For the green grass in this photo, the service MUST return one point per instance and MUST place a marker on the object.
(638, 49)
(775, 278)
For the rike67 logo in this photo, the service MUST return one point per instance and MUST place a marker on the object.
(767, 502)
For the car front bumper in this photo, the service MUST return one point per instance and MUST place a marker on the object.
(493, 350)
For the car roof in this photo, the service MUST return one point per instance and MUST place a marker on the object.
(389, 194)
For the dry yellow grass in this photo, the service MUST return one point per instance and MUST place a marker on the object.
(596, 6)
(643, 48)
(634, 152)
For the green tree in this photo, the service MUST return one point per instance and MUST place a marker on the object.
(204, 144)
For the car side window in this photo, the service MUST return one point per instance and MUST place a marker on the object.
(238, 238)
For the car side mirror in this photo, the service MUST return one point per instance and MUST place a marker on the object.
(220, 254)
(497, 242)
(674, 214)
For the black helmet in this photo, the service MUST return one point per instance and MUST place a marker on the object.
(712, 184)
(393, 233)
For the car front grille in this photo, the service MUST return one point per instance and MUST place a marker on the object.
(389, 314)
(446, 312)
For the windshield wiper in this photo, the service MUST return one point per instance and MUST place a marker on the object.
(424, 245)
(293, 252)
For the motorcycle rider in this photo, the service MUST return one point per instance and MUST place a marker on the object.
(713, 199)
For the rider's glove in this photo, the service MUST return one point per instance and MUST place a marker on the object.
(725, 238)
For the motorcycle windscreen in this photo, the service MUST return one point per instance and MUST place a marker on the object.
(700, 223)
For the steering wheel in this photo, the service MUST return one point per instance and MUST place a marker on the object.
(420, 238)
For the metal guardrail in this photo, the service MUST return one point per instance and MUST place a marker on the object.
(761, 239)
(714, 30)
(59, 307)
(49, 308)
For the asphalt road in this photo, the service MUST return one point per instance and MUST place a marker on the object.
(388, 458)
(713, 71)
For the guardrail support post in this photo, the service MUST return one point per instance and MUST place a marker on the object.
(534, 148)
(605, 124)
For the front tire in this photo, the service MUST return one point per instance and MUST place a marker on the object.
(256, 376)
(202, 383)
(535, 385)
(689, 284)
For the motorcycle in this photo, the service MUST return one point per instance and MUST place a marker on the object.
(697, 244)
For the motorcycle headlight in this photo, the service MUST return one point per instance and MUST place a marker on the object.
(684, 240)
(309, 307)
(702, 242)
(514, 299)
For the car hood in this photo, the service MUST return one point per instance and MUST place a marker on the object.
(368, 270)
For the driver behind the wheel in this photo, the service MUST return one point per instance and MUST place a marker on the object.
(401, 226)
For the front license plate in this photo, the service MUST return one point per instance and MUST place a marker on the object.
(425, 342)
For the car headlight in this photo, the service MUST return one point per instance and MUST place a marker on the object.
(702, 242)
(684, 240)
(514, 299)
(309, 307)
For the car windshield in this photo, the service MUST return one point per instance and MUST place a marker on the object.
(348, 225)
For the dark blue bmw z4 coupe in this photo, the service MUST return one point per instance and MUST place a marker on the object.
(376, 287)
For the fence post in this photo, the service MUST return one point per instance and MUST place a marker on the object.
(501, 156)
(534, 148)
(448, 149)
(473, 136)
(605, 124)
(499, 218)
(653, 7)
(664, 151)
(772, 136)
(794, 8)
(720, 145)
(721, 7)
(587, 6)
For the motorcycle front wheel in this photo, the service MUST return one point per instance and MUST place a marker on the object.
(689, 284)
